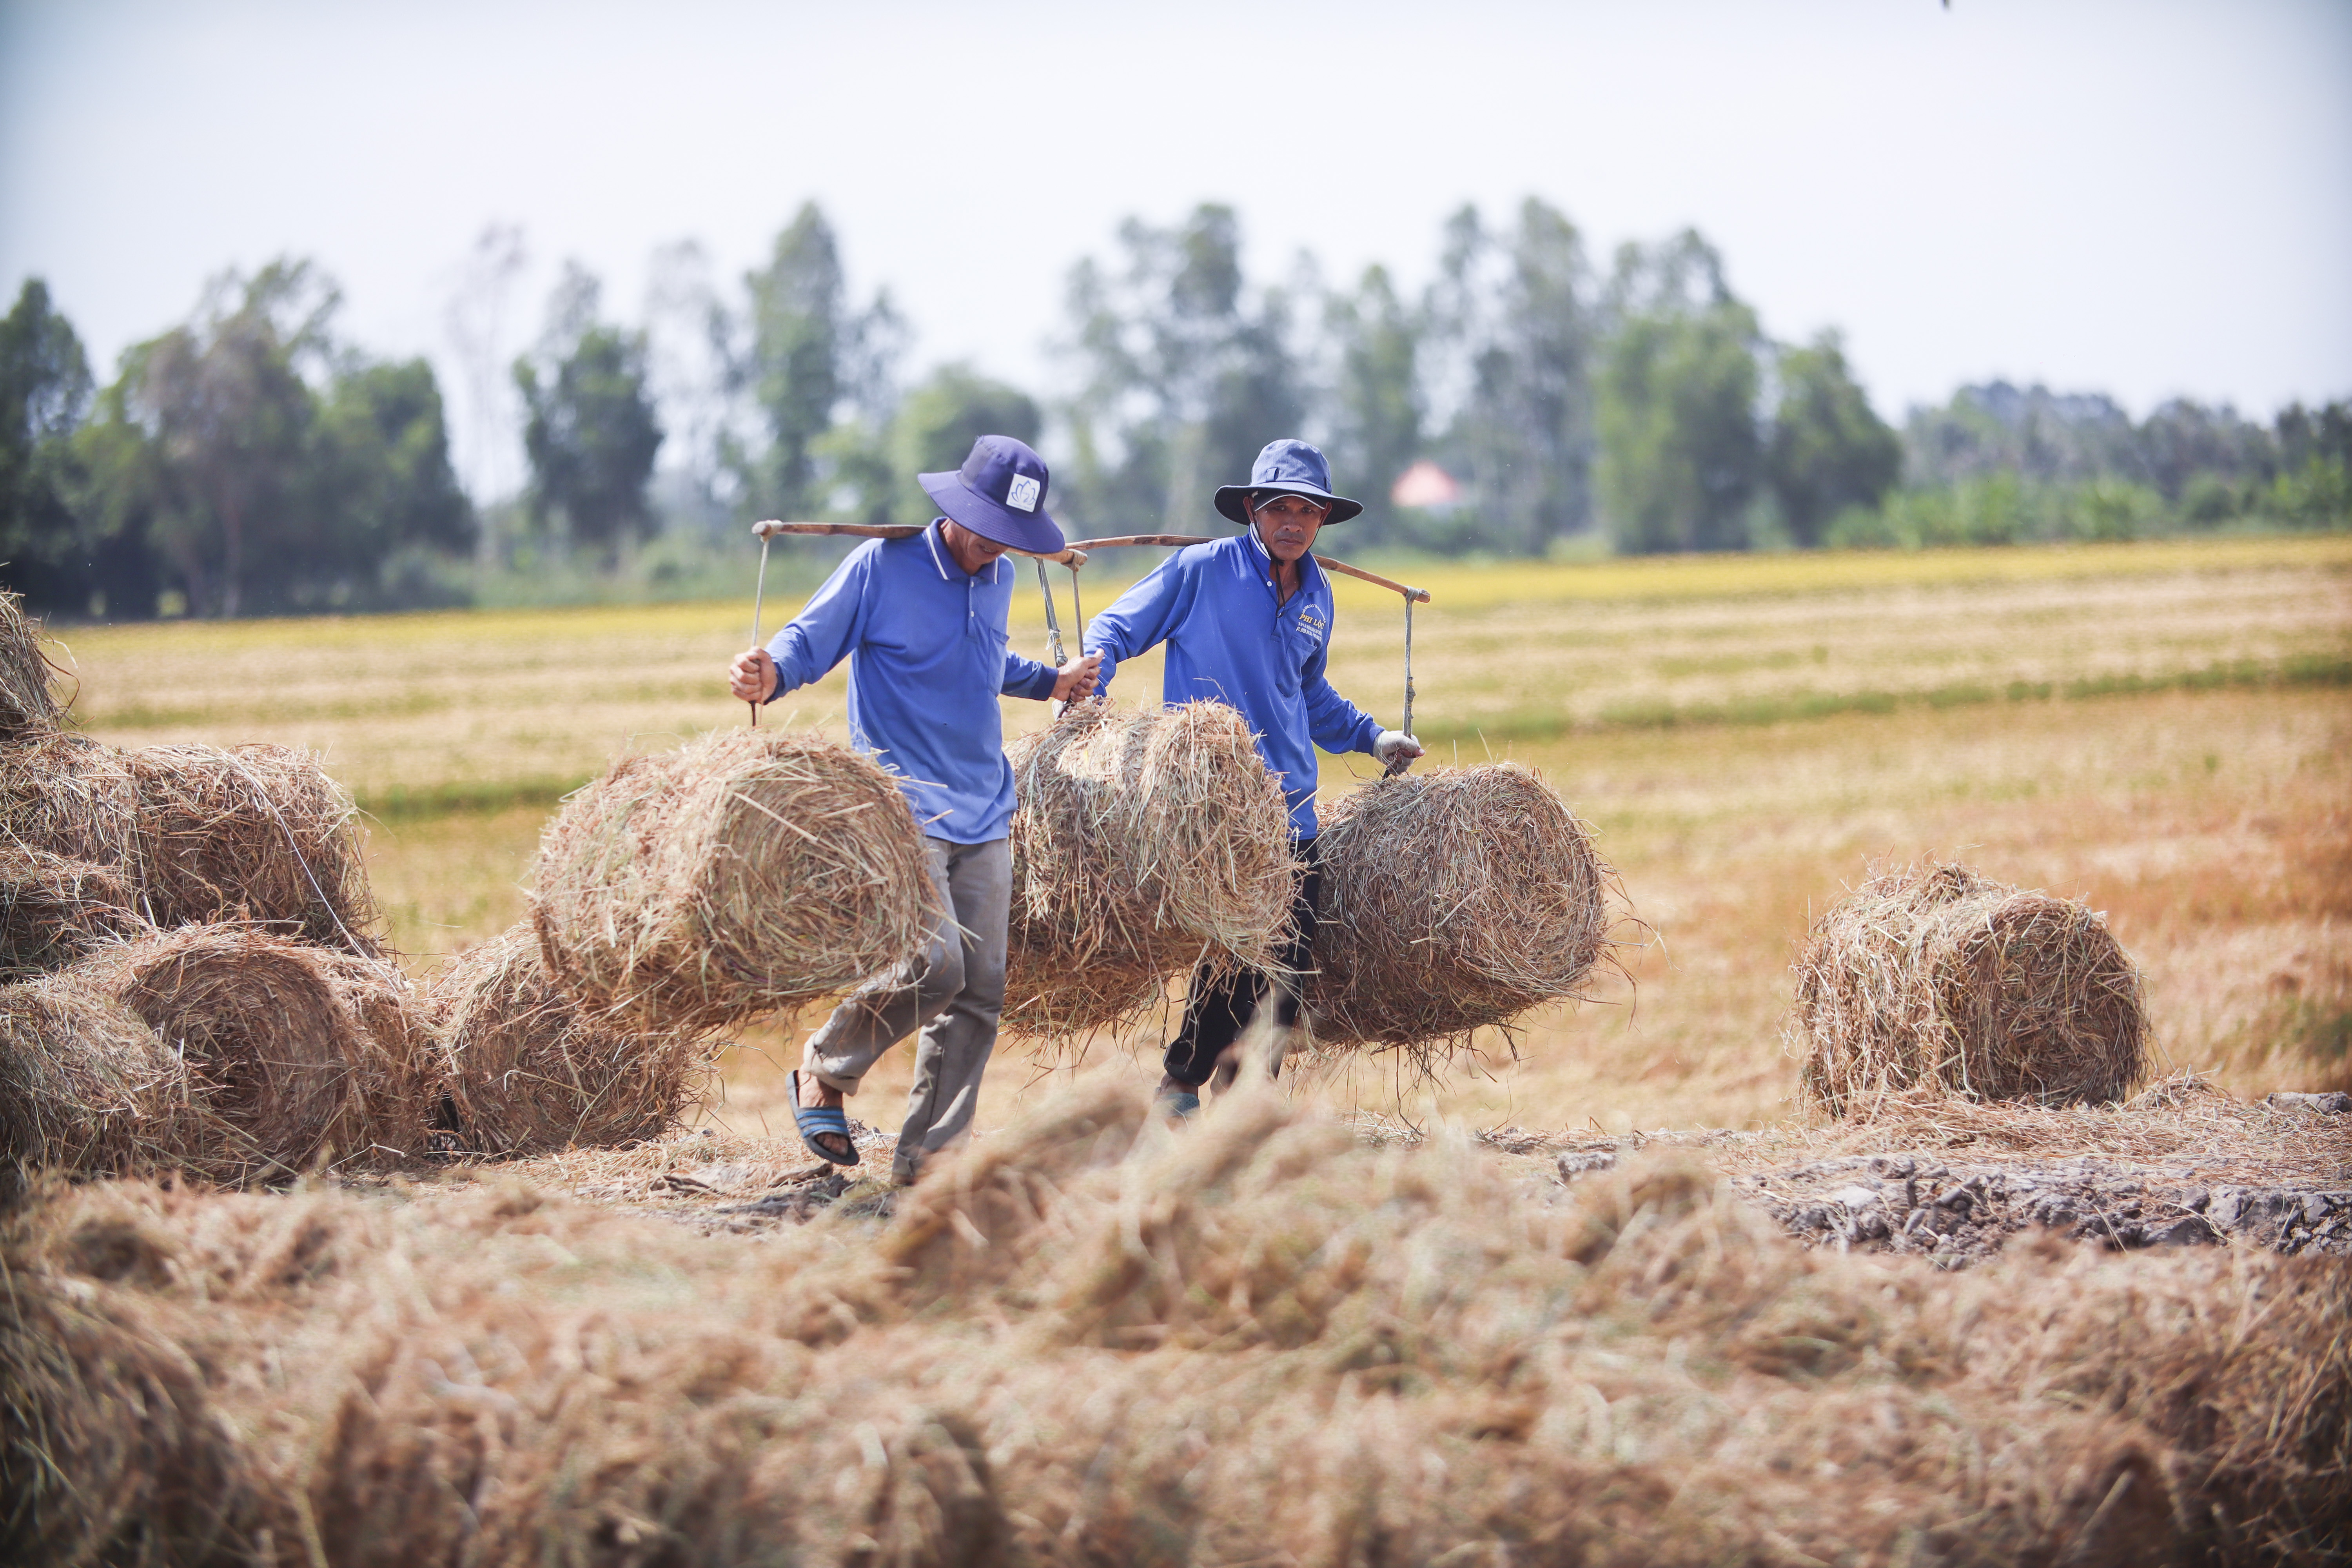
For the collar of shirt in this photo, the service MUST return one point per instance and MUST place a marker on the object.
(1266, 560)
(936, 537)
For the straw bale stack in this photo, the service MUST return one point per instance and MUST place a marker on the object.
(746, 871)
(257, 832)
(28, 709)
(1453, 900)
(217, 1051)
(53, 910)
(530, 1070)
(1144, 842)
(1933, 977)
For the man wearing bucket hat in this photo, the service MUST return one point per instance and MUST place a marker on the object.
(922, 622)
(1247, 622)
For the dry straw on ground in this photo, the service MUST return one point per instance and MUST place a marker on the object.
(53, 910)
(1932, 978)
(1144, 842)
(1453, 900)
(749, 870)
(528, 1071)
(28, 709)
(1090, 1340)
(261, 1057)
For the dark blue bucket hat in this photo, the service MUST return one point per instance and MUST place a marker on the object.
(1287, 467)
(999, 494)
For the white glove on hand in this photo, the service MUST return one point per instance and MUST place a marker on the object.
(1395, 744)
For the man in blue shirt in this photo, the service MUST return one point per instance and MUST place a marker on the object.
(1247, 622)
(922, 622)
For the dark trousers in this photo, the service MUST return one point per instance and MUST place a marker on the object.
(1220, 1006)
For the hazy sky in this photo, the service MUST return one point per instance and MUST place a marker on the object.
(2145, 197)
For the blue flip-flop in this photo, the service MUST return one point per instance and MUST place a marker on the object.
(812, 1119)
(1180, 1105)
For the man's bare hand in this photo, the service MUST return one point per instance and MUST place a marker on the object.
(752, 676)
(1075, 682)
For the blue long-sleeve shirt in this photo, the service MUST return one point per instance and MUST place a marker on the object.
(926, 644)
(1231, 638)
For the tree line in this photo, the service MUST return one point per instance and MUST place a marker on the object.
(1530, 398)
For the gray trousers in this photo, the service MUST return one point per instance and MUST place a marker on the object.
(954, 991)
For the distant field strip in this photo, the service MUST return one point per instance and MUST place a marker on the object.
(2313, 670)
(424, 714)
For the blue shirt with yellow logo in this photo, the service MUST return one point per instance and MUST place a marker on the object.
(1230, 639)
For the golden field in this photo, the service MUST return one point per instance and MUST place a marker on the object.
(2162, 729)
(1269, 1336)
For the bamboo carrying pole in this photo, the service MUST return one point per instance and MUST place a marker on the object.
(1417, 596)
(1072, 556)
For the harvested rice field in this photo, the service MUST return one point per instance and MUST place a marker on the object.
(1608, 1289)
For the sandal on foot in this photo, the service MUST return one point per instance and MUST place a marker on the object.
(816, 1120)
(1179, 1103)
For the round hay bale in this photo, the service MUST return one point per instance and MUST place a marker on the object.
(69, 796)
(256, 834)
(749, 870)
(53, 910)
(285, 1055)
(28, 708)
(530, 1070)
(1144, 842)
(86, 1086)
(1452, 901)
(1934, 977)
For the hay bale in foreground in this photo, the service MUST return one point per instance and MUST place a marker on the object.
(1934, 977)
(1453, 900)
(258, 833)
(28, 709)
(1144, 841)
(530, 1070)
(109, 1450)
(259, 1056)
(53, 910)
(746, 871)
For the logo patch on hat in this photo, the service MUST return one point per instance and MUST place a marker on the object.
(1021, 494)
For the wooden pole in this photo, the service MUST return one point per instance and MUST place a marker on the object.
(1418, 595)
(770, 528)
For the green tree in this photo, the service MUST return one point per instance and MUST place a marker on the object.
(1512, 331)
(589, 427)
(808, 357)
(1681, 457)
(938, 422)
(229, 420)
(45, 394)
(1184, 374)
(1828, 449)
(386, 471)
(1379, 407)
(251, 463)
